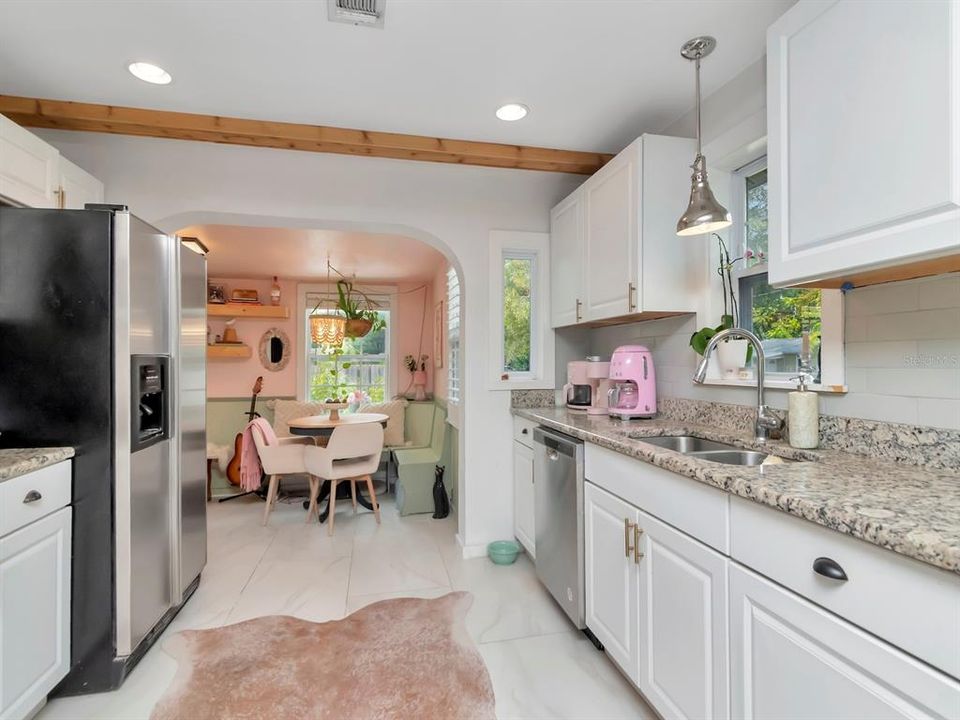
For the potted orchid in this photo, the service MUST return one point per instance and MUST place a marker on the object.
(732, 354)
(418, 367)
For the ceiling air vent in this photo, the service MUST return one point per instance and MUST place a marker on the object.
(368, 13)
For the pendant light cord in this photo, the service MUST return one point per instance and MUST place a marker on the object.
(697, 62)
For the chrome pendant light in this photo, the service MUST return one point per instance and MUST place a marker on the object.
(704, 214)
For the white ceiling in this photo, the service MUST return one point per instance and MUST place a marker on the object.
(595, 73)
(254, 252)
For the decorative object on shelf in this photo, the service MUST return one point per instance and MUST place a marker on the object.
(275, 292)
(418, 369)
(327, 328)
(210, 339)
(358, 308)
(438, 335)
(732, 355)
(241, 295)
(704, 214)
(230, 333)
(216, 294)
(274, 349)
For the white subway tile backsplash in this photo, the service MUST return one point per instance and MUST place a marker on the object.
(902, 355)
(939, 292)
(937, 412)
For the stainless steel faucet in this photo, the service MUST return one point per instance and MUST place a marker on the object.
(766, 420)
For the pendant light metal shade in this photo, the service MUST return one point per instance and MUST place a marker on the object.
(704, 214)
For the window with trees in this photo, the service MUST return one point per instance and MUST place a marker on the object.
(359, 369)
(453, 336)
(788, 321)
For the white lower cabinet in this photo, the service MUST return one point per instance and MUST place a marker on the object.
(34, 612)
(683, 623)
(792, 660)
(524, 513)
(611, 577)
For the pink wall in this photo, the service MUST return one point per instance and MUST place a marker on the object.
(234, 378)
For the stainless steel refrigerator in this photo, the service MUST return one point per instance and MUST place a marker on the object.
(100, 317)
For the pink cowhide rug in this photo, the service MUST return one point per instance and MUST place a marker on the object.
(404, 658)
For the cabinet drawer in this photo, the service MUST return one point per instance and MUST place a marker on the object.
(792, 659)
(688, 505)
(523, 431)
(911, 605)
(17, 508)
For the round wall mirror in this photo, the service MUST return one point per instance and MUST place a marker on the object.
(274, 350)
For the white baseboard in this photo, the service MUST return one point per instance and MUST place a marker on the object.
(471, 551)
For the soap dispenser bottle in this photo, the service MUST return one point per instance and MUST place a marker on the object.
(803, 416)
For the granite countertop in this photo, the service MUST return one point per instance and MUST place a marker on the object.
(910, 510)
(15, 462)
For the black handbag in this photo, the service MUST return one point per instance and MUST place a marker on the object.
(441, 503)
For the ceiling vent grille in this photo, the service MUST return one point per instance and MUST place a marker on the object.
(368, 13)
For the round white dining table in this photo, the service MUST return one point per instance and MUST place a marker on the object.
(323, 426)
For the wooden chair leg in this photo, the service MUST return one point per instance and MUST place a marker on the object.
(271, 497)
(353, 494)
(331, 507)
(314, 489)
(373, 498)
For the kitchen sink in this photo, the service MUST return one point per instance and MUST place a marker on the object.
(686, 444)
(731, 457)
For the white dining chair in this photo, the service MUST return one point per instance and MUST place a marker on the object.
(284, 458)
(351, 454)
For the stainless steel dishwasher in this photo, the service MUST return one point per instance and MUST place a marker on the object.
(558, 501)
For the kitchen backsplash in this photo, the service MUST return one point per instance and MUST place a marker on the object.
(902, 355)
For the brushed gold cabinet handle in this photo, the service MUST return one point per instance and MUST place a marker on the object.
(626, 537)
(637, 555)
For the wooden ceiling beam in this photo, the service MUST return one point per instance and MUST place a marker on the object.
(90, 117)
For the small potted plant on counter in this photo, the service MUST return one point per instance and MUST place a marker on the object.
(732, 354)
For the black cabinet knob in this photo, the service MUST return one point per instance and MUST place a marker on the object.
(829, 569)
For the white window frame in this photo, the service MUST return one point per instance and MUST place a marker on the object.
(832, 376)
(383, 294)
(505, 244)
(454, 339)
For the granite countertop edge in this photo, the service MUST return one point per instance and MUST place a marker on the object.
(15, 462)
(902, 528)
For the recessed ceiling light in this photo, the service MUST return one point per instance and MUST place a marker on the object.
(148, 72)
(512, 111)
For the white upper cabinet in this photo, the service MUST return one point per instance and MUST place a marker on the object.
(77, 186)
(614, 249)
(566, 261)
(34, 174)
(863, 102)
(28, 167)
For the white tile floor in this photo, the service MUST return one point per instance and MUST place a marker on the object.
(540, 666)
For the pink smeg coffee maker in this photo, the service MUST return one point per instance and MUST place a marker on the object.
(634, 391)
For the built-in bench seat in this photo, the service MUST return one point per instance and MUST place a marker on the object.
(416, 467)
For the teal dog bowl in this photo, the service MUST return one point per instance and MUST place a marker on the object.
(503, 552)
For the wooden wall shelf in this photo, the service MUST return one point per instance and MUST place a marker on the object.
(229, 351)
(239, 310)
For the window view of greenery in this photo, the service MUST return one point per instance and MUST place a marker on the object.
(357, 370)
(778, 317)
(756, 224)
(517, 273)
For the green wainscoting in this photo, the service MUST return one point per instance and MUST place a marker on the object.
(225, 418)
